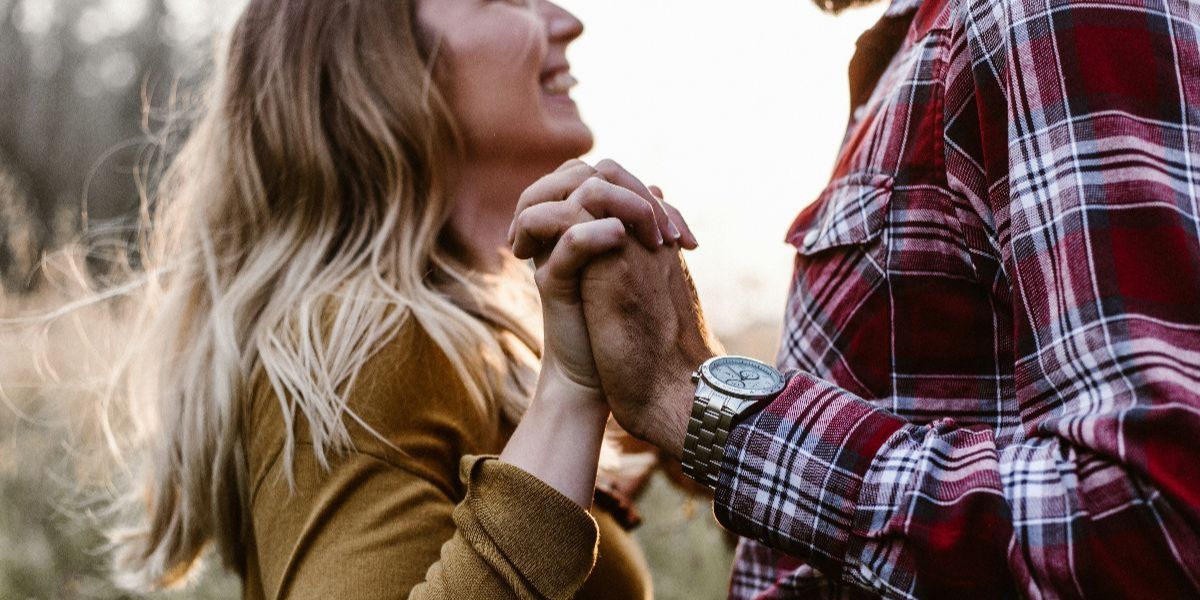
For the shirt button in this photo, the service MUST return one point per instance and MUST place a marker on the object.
(810, 239)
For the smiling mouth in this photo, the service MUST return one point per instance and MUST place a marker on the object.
(558, 82)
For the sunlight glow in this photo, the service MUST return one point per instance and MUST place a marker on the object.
(736, 110)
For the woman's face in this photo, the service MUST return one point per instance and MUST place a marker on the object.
(502, 65)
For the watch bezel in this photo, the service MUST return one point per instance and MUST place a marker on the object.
(706, 372)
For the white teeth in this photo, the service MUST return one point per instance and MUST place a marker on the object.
(559, 84)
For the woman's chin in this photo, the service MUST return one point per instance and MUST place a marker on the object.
(551, 142)
(562, 146)
(563, 121)
(577, 139)
(583, 146)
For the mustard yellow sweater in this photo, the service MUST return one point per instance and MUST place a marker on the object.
(427, 519)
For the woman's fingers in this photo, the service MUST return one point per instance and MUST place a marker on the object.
(542, 224)
(602, 199)
(687, 239)
(539, 226)
(615, 173)
(606, 190)
(574, 163)
(579, 246)
(554, 187)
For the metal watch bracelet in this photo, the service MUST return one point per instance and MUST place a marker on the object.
(704, 444)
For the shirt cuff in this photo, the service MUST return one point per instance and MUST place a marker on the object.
(543, 535)
(792, 473)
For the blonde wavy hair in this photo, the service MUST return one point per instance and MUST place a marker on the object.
(298, 228)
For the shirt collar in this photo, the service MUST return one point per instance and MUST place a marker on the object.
(900, 8)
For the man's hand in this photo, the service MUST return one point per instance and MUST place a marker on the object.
(648, 333)
(648, 337)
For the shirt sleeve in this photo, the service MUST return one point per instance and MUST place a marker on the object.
(371, 530)
(1090, 119)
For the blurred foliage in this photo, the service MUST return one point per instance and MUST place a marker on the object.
(75, 79)
(51, 545)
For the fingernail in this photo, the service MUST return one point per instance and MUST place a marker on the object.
(675, 233)
(661, 241)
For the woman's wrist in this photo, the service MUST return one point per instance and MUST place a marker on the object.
(559, 438)
(565, 405)
(556, 385)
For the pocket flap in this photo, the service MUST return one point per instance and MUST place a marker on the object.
(851, 211)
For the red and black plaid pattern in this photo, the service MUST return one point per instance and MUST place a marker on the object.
(995, 320)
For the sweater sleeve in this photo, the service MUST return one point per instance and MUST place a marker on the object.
(370, 530)
(516, 535)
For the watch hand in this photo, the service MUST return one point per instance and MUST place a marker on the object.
(743, 377)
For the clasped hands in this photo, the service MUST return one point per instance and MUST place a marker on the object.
(622, 317)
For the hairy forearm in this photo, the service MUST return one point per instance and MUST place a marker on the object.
(665, 425)
(558, 439)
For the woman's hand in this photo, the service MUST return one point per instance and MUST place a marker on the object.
(566, 220)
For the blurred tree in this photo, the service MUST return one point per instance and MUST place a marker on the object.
(75, 77)
(18, 231)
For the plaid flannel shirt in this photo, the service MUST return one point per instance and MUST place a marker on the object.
(994, 320)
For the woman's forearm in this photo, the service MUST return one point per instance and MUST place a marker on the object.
(558, 439)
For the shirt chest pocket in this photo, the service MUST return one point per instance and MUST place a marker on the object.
(852, 211)
(837, 322)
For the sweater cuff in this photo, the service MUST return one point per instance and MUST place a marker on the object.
(792, 473)
(545, 536)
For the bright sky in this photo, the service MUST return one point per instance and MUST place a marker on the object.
(736, 110)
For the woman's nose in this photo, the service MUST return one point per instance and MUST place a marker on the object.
(562, 26)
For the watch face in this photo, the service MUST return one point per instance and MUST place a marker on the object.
(742, 377)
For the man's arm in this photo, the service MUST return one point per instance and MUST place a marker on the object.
(1094, 170)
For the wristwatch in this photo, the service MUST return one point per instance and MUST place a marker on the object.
(728, 389)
